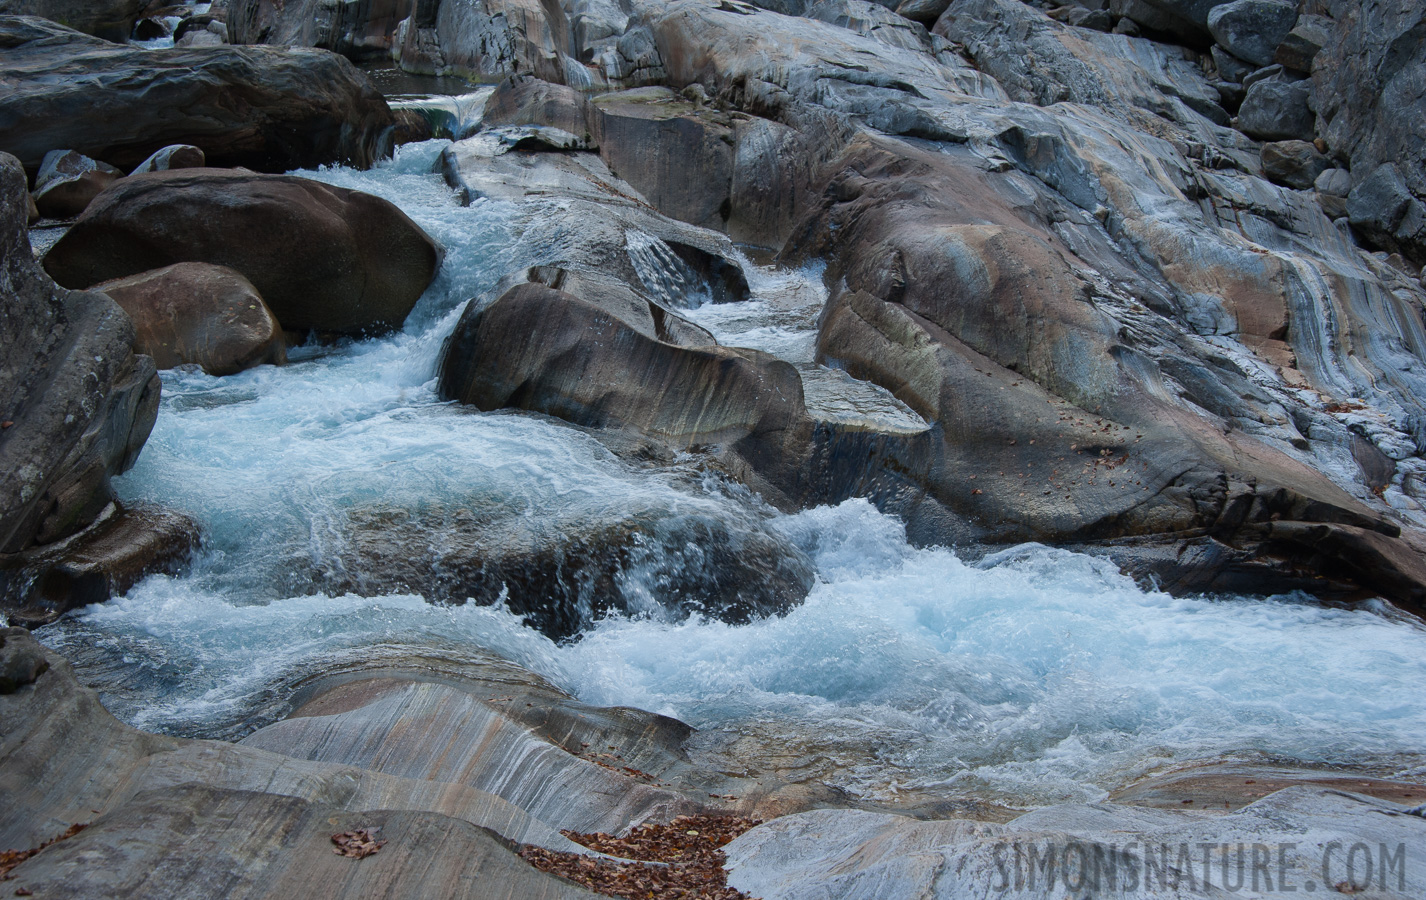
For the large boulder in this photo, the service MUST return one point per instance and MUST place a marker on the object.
(109, 19)
(1184, 20)
(1253, 29)
(547, 351)
(353, 28)
(79, 403)
(1370, 87)
(200, 314)
(323, 258)
(1293, 163)
(1277, 110)
(259, 107)
(1382, 208)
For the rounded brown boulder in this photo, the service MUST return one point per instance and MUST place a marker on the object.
(323, 258)
(199, 313)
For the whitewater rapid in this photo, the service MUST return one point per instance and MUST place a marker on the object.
(1031, 676)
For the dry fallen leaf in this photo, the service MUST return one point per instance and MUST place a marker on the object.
(357, 844)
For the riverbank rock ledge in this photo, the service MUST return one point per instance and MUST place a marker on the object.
(322, 258)
(265, 108)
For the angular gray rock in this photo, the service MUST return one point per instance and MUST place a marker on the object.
(480, 39)
(1383, 209)
(1277, 111)
(1252, 29)
(119, 104)
(1371, 92)
(1293, 163)
(79, 402)
(1303, 43)
(321, 257)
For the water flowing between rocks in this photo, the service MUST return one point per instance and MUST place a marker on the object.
(908, 675)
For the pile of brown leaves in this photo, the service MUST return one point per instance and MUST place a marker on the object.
(690, 845)
(9, 859)
(357, 844)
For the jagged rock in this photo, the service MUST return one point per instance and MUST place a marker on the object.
(1293, 163)
(1337, 182)
(259, 107)
(196, 313)
(323, 258)
(177, 156)
(1252, 29)
(1096, 19)
(109, 19)
(1383, 209)
(106, 559)
(1276, 111)
(22, 660)
(353, 28)
(543, 350)
(1371, 95)
(150, 29)
(196, 25)
(78, 403)
(1304, 42)
(479, 39)
(68, 181)
(1230, 67)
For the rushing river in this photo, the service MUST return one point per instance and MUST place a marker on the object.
(1031, 676)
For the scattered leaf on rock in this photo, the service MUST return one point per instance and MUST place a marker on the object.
(690, 846)
(357, 844)
(9, 859)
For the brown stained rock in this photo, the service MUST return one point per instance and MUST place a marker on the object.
(260, 107)
(1233, 786)
(175, 156)
(104, 560)
(201, 314)
(22, 661)
(323, 258)
(355, 30)
(677, 154)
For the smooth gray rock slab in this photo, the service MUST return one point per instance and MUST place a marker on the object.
(1252, 29)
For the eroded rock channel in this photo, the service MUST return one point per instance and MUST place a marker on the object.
(928, 428)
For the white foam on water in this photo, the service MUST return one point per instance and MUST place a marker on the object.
(1031, 676)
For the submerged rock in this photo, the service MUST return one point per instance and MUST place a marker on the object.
(323, 258)
(197, 313)
(78, 402)
(106, 559)
(562, 576)
(259, 107)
